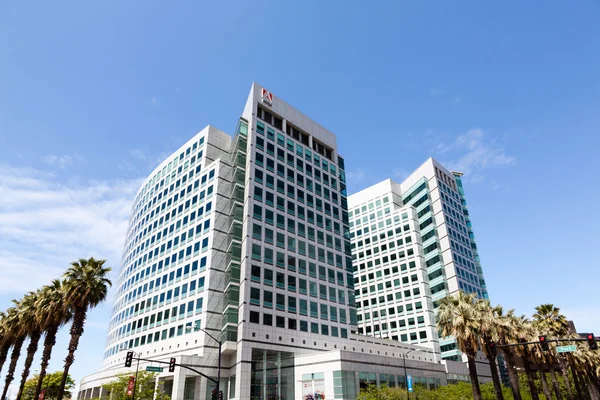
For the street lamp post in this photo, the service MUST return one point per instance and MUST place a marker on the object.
(138, 356)
(405, 374)
(197, 328)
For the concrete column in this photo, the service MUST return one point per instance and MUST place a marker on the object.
(198, 393)
(156, 387)
(178, 384)
(242, 386)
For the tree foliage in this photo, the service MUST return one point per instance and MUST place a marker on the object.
(51, 384)
(145, 387)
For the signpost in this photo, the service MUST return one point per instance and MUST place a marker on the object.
(409, 383)
(566, 349)
(154, 369)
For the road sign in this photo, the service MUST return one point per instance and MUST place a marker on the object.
(154, 369)
(566, 349)
(409, 383)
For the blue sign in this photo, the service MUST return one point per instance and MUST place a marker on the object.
(409, 383)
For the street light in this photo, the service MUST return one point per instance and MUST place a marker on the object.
(196, 329)
(138, 355)
(405, 374)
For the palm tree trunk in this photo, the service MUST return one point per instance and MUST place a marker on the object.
(555, 383)
(495, 377)
(581, 394)
(34, 339)
(76, 331)
(545, 387)
(592, 389)
(473, 373)
(530, 379)
(16, 352)
(513, 376)
(3, 354)
(565, 374)
(49, 342)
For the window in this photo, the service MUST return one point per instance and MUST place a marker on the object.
(254, 317)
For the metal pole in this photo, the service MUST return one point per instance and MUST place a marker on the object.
(218, 372)
(406, 376)
(136, 376)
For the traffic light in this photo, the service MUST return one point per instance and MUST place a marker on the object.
(128, 359)
(544, 343)
(591, 339)
(493, 350)
(172, 365)
(214, 394)
(220, 395)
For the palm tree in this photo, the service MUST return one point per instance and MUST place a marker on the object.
(457, 316)
(52, 315)
(489, 320)
(5, 340)
(507, 329)
(549, 320)
(86, 286)
(13, 321)
(30, 326)
(518, 330)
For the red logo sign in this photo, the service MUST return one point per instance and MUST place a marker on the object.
(267, 97)
(130, 386)
(42, 394)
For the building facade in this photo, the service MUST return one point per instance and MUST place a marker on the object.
(245, 238)
(412, 245)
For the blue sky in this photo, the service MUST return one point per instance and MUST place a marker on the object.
(94, 94)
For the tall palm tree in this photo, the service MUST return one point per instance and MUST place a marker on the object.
(506, 335)
(5, 340)
(86, 286)
(457, 316)
(13, 321)
(52, 315)
(549, 320)
(489, 321)
(30, 326)
(518, 330)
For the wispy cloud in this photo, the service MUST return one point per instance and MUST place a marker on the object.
(436, 92)
(154, 100)
(45, 224)
(62, 162)
(456, 100)
(473, 152)
(355, 176)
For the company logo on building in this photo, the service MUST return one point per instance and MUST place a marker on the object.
(267, 97)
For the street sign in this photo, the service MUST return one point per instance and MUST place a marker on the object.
(566, 349)
(409, 383)
(154, 369)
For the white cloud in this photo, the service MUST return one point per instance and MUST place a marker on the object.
(473, 152)
(456, 100)
(436, 92)
(45, 224)
(355, 176)
(58, 161)
(154, 100)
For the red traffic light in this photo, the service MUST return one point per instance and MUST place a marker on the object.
(544, 343)
(591, 339)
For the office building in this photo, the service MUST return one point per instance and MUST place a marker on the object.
(245, 239)
(412, 245)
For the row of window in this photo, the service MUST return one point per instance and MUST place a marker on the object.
(153, 337)
(293, 284)
(171, 213)
(168, 295)
(295, 325)
(167, 246)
